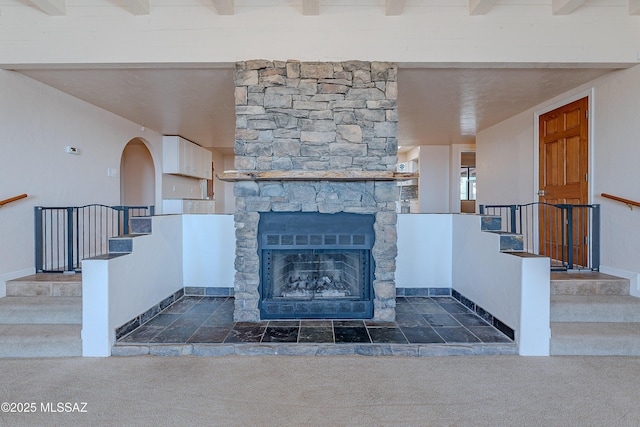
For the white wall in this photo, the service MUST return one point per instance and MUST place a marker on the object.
(434, 179)
(36, 124)
(616, 151)
(209, 244)
(117, 290)
(507, 163)
(424, 251)
(516, 32)
(513, 289)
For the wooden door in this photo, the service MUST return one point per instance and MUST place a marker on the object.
(563, 178)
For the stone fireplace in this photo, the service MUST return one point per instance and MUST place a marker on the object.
(315, 147)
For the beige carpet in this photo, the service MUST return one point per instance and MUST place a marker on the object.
(325, 391)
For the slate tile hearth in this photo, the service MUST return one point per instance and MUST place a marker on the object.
(419, 320)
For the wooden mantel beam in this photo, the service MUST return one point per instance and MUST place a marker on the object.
(138, 7)
(233, 175)
(480, 7)
(52, 7)
(565, 7)
(224, 7)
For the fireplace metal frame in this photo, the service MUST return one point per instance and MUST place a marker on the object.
(311, 231)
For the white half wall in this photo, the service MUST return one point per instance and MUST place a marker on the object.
(513, 289)
(424, 251)
(116, 290)
(433, 251)
(535, 307)
(208, 243)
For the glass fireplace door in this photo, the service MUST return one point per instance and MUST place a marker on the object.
(315, 274)
(316, 265)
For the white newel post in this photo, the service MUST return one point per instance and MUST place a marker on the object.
(97, 339)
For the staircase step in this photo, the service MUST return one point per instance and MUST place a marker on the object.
(49, 289)
(121, 244)
(40, 340)
(41, 310)
(588, 284)
(43, 284)
(510, 242)
(140, 225)
(594, 308)
(490, 223)
(595, 339)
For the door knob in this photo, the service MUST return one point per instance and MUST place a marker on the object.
(541, 193)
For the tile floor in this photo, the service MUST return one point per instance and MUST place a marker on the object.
(419, 320)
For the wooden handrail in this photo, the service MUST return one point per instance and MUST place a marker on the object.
(629, 203)
(12, 199)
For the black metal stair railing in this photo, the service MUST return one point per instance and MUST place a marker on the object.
(568, 234)
(64, 236)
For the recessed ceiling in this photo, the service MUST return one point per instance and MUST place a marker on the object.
(436, 106)
(440, 106)
(196, 103)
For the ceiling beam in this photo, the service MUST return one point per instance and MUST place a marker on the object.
(138, 7)
(395, 7)
(224, 7)
(634, 7)
(310, 7)
(52, 7)
(480, 7)
(565, 7)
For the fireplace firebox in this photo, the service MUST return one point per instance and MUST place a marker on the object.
(315, 266)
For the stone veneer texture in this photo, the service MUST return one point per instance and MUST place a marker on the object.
(320, 116)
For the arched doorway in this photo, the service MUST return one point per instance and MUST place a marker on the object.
(137, 175)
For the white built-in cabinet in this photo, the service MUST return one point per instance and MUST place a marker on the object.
(182, 157)
(185, 168)
(188, 206)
